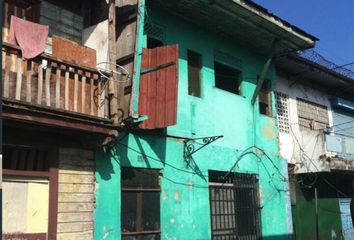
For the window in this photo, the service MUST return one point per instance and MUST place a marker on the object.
(26, 183)
(227, 78)
(194, 76)
(234, 206)
(312, 116)
(140, 211)
(265, 98)
(153, 43)
(283, 112)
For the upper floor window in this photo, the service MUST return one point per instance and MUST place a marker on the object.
(153, 42)
(282, 104)
(311, 115)
(265, 98)
(227, 78)
(194, 73)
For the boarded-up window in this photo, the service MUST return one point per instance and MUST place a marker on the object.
(158, 87)
(282, 105)
(227, 78)
(140, 204)
(311, 115)
(25, 208)
(234, 206)
(265, 98)
(194, 75)
(25, 192)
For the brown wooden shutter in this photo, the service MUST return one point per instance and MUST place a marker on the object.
(158, 89)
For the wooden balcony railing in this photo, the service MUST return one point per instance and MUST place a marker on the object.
(50, 82)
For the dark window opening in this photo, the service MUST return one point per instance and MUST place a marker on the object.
(227, 78)
(265, 98)
(140, 212)
(153, 43)
(25, 158)
(194, 70)
(234, 205)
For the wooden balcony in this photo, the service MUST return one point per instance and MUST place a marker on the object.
(54, 93)
(52, 83)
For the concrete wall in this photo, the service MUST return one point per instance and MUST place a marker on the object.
(185, 212)
(303, 146)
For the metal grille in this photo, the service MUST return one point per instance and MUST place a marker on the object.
(283, 112)
(235, 208)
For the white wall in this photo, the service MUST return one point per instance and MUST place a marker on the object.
(299, 146)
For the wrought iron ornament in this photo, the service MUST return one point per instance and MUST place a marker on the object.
(192, 146)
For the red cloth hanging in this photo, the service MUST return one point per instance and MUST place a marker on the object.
(31, 37)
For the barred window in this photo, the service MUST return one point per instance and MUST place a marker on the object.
(140, 204)
(282, 104)
(234, 206)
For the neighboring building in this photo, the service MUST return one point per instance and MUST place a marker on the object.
(315, 105)
(199, 156)
(54, 117)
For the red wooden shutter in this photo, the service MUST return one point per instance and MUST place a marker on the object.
(158, 89)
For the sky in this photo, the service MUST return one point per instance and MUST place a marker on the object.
(332, 21)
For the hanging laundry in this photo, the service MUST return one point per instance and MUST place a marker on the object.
(31, 37)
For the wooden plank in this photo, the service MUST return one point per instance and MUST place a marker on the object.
(76, 197)
(75, 207)
(48, 73)
(7, 74)
(76, 188)
(66, 105)
(74, 227)
(76, 83)
(75, 236)
(172, 86)
(74, 152)
(75, 217)
(83, 93)
(161, 82)
(18, 78)
(30, 160)
(40, 83)
(22, 159)
(152, 87)
(57, 86)
(77, 169)
(144, 79)
(92, 102)
(40, 160)
(70, 178)
(29, 81)
(14, 158)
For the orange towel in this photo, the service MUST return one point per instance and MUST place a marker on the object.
(31, 37)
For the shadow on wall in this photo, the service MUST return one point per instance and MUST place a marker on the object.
(133, 150)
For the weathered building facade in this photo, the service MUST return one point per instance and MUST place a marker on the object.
(315, 121)
(54, 117)
(199, 157)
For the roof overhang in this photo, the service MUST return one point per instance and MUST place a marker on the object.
(242, 21)
(304, 71)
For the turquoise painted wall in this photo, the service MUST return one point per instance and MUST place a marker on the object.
(185, 196)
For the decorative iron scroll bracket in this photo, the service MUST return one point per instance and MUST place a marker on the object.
(192, 146)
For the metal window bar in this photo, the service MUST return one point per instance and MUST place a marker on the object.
(235, 212)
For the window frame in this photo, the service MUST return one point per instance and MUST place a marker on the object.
(233, 68)
(140, 190)
(230, 186)
(199, 67)
(267, 92)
